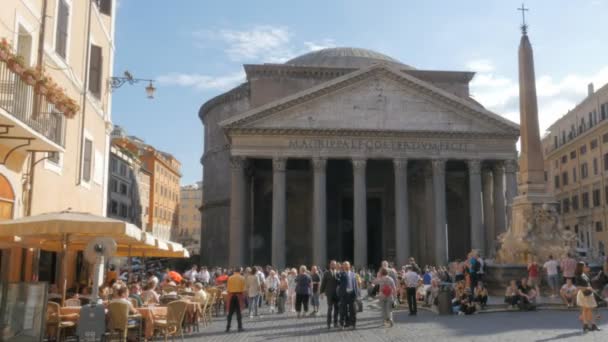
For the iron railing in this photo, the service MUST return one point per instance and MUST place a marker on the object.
(19, 100)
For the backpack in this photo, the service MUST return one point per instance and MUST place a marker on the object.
(387, 290)
(476, 266)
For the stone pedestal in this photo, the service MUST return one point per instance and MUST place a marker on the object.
(536, 231)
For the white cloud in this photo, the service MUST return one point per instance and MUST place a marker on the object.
(202, 82)
(480, 65)
(555, 96)
(323, 44)
(261, 43)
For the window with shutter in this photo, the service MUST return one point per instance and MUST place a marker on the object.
(105, 6)
(88, 160)
(95, 69)
(61, 35)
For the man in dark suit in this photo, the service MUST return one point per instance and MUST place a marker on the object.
(329, 287)
(348, 291)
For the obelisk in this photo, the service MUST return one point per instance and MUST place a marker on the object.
(535, 231)
(531, 168)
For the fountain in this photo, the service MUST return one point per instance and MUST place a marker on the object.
(535, 231)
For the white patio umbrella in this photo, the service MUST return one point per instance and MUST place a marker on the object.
(70, 231)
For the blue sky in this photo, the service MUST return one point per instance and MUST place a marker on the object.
(195, 50)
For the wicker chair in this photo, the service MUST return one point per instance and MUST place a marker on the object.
(211, 304)
(120, 321)
(54, 322)
(73, 302)
(166, 299)
(172, 325)
(134, 302)
(204, 310)
(217, 303)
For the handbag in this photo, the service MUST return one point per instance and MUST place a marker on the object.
(359, 305)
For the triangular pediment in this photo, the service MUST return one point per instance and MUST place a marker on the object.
(377, 98)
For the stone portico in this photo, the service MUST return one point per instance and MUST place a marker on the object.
(371, 161)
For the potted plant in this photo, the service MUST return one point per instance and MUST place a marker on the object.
(16, 64)
(29, 76)
(41, 84)
(71, 109)
(5, 50)
(61, 103)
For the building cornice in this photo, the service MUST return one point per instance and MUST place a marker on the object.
(234, 94)
(362, 133)
(579, 137)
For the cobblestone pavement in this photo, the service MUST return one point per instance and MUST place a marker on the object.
(538, 326)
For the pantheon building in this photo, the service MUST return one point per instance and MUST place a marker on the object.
(349, 154)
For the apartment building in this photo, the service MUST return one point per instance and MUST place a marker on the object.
(189, 232)
(56, 60)
(576, 170)
(124, 202)
(162, 172)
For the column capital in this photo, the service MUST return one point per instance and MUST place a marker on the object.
(237, 162)
(474, 166)
(319, 164)
(359, 164)
(400, 164)
(511, 165)
(498, 167)
(438, 166)
(279, 164)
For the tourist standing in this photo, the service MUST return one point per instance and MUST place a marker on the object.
(411, 279)
(329, 285)
(316, 282)
(533, 273)
(291, 291)
(235, 288)
(272, 289)
(254, 289)
(568, 266)
(585, 298)
(550, 267)
(191, 274)
(303, 290)
(386, 294)
(347, 292)
(282, 296)
(474, 267)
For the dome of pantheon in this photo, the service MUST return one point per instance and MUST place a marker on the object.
(345, 57)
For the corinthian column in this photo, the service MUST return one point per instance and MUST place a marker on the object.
(319, 231)
(477, 236)
(441, 253)
(278, 212)
(236, 252)
(360, 213)
(488, 211)
(500, 212)
(402, 227)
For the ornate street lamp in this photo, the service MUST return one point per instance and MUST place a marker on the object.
(117, 82)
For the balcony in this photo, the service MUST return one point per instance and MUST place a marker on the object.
(23, 126)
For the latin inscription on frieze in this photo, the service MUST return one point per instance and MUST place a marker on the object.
(378, 145)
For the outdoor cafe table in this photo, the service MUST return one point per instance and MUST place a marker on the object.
(149, 313)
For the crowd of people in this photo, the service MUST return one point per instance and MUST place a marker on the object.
(300, 290)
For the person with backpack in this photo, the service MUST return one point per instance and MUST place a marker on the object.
(386, 294)
(474, 267)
